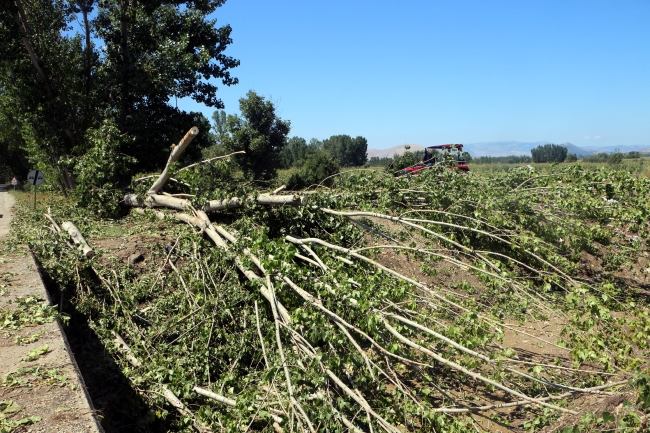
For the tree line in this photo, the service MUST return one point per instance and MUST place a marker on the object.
(347, 151)
(615, 157)
(557, 153)
(264, 138)
(510, 159)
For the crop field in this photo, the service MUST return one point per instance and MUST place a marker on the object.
(638, 167)
(512, 300)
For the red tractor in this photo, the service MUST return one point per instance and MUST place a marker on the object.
(450, 155)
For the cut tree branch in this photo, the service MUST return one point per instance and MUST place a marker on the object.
(173, 157)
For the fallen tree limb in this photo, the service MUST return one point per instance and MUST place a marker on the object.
(278, 189)
(463, 370)
(594, 390)
(78, 239)
(206, 161)
(180, 407)
(476, 354)
(173, 157)
(294, 402)
(54, 224)
(417, 284)
(225, 400)
(126, 350)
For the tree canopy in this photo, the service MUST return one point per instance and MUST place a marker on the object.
(347, 150)
(57, 87)
(549, 153)
(260, 133)
(297, 151)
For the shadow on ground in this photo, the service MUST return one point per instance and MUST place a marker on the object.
(119, 406)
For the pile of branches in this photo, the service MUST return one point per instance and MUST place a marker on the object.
(280, 312)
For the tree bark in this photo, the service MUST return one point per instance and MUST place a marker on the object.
(78, 238)
(173, 157)
(267, 199)
(156, 200)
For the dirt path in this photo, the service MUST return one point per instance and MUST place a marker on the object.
(40, 389)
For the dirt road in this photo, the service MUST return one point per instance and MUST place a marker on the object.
(40, 390)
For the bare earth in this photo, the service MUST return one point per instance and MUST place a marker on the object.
(60, 402)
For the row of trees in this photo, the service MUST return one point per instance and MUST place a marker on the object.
(511, 159)
(111, 84)
(615, 157)
(557, 153)
(347, 151)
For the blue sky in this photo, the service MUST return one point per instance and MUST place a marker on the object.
(431, 72)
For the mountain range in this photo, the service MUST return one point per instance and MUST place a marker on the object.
(507, 148)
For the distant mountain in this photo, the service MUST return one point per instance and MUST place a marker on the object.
(388, 153)
(501, 148)
(580, 151)
(624, 149)
(507, 148)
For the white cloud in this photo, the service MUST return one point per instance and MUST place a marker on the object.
(596, 137)
(586, 137)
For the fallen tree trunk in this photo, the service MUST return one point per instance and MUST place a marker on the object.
(156, 200)
(159, 200)
(266, 199)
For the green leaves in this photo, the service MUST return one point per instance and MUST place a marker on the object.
(642, 384)
(29, 311)
(35, 353)
(8, 409)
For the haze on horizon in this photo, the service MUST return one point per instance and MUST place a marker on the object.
(430, 72)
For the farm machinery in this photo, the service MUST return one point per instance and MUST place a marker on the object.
(438, 157)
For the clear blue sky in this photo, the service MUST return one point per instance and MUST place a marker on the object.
(432, 72)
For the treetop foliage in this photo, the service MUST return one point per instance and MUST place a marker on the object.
(347, 151)
(297, 151)
(316, 169)
(258, 132)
